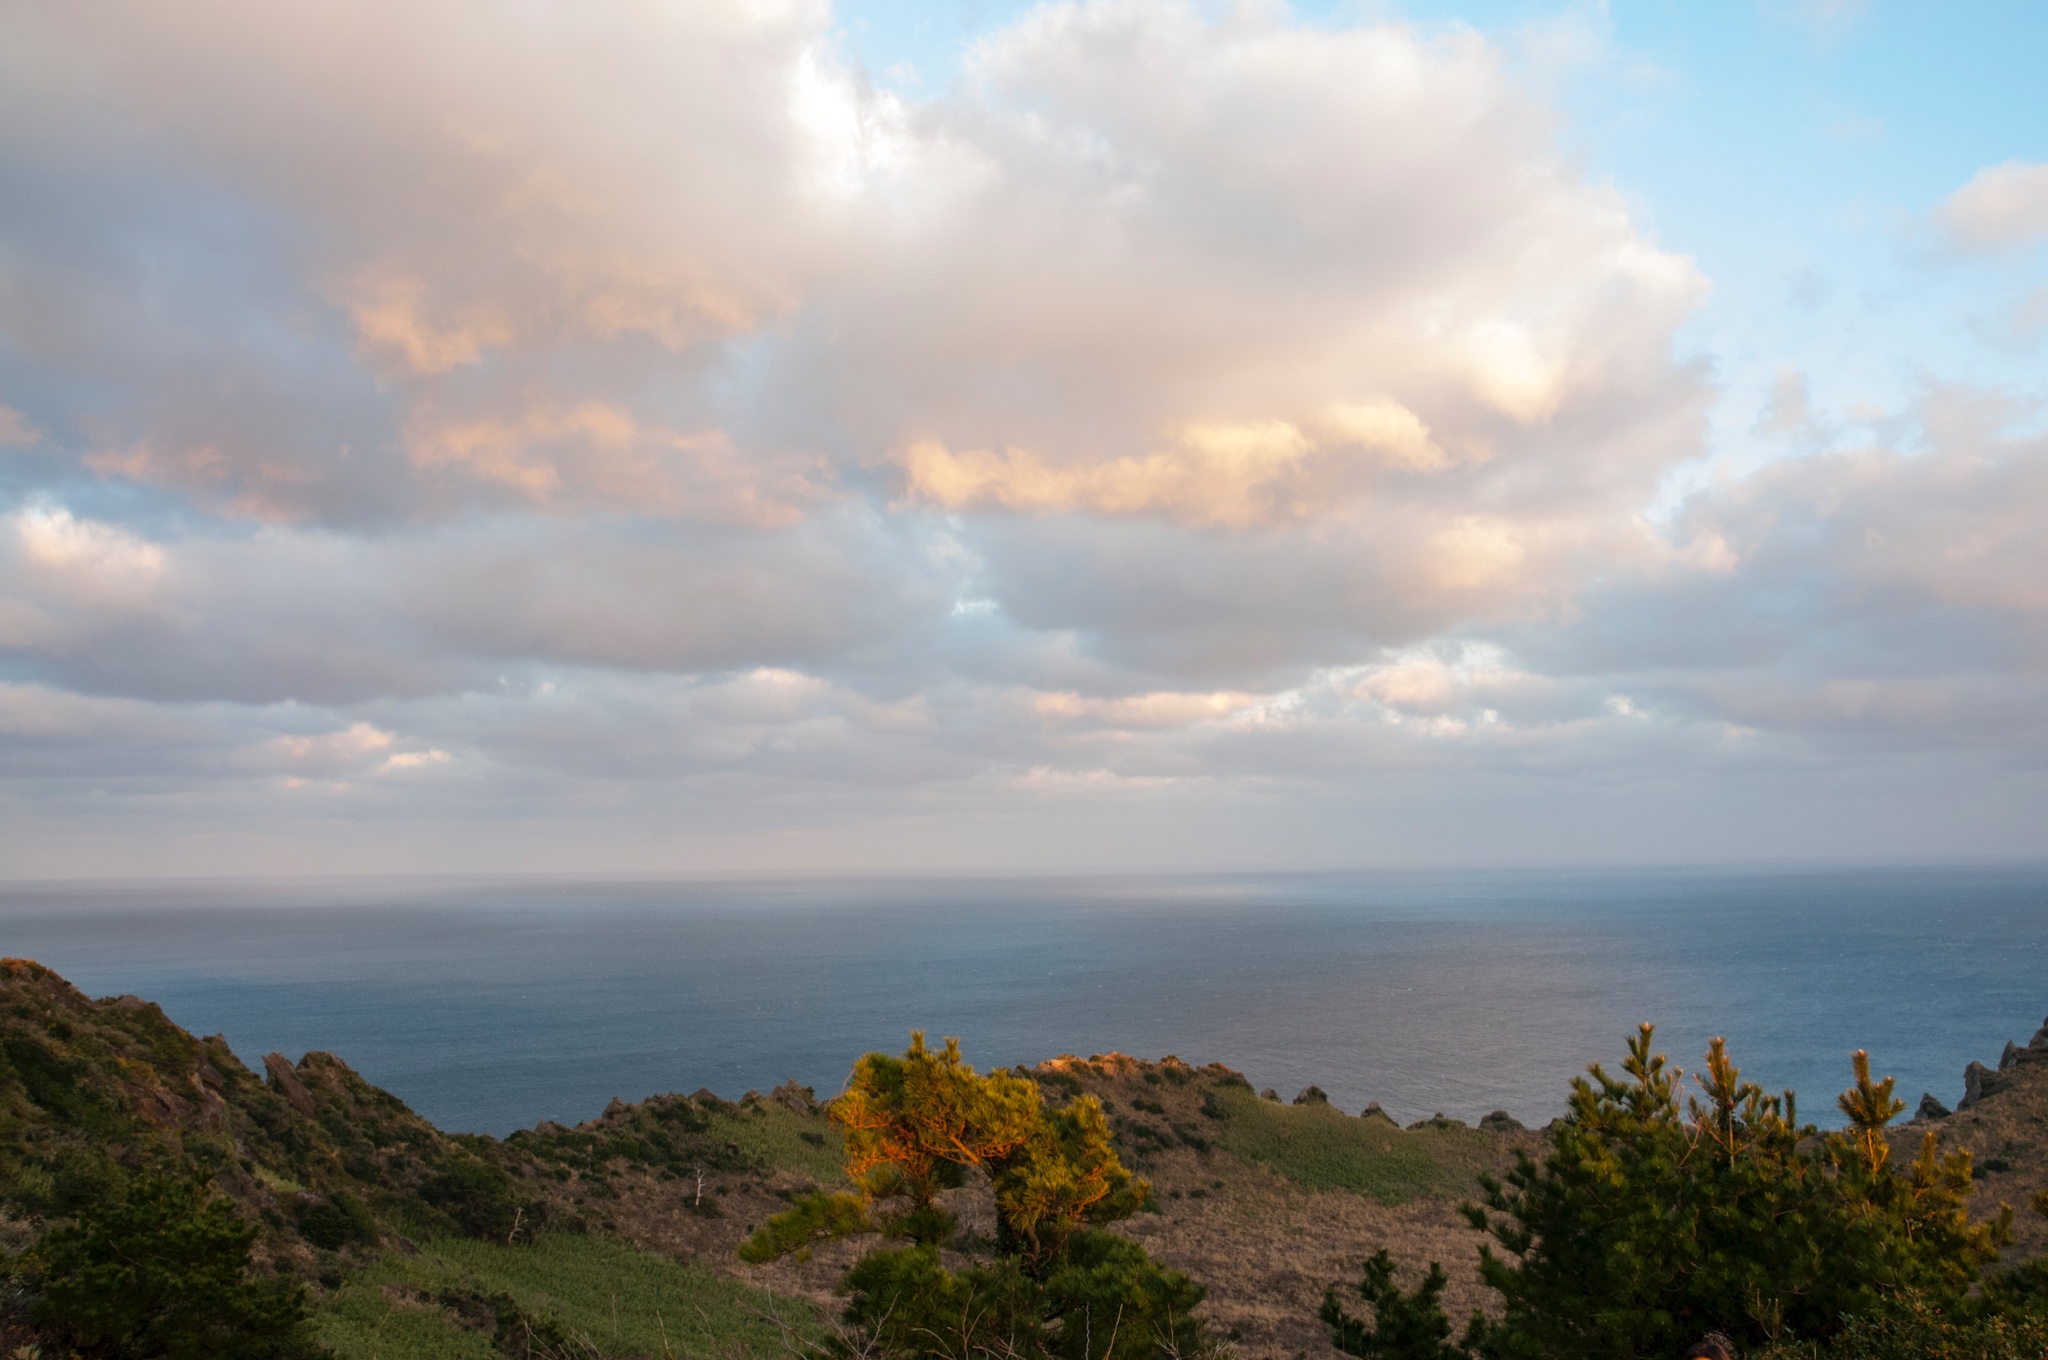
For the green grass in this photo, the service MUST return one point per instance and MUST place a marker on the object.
(1323, 1148)
(625, 1301)
(772, 1135)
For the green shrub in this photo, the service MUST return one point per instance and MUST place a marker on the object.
(1653, 1221)
(161, 1268)
(1914, 1329)
(1055, 1287)
(1404, 1326)
(1106, 1300)
(478, 1198)
(337, 1221)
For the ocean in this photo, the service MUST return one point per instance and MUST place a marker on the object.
(492, 1004)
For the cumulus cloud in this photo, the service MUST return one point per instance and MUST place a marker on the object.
(1251, 275)
(546, 407)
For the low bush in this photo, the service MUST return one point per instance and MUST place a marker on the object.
(477, 1197)
(336, 1221)
(160, 1268)
(1916, 1329)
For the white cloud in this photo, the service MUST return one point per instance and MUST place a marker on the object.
(2002, 205)
(82, 563)
(579, 406)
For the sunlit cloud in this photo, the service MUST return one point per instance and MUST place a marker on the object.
(498, 414)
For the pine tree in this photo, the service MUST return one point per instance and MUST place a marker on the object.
(1055, 1286)
(1656, 1217)
(1403, 1326)
(160, 1267)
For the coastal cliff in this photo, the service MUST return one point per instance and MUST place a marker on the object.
(1266, 1202)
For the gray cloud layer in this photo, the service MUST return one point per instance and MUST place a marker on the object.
(597, 435)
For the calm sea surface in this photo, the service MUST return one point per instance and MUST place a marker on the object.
(489, 1005)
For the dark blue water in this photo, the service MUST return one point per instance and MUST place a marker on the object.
(491, 1005)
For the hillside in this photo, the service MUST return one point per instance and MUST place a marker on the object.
(622, 1231)
(2003, 1121)
(413, 1241)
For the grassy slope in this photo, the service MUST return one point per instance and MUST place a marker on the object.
(1162, 1111)
(622, 1300)
(1322, 1148)
(771, 1136)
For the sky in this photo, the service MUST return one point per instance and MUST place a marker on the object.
(779, 436)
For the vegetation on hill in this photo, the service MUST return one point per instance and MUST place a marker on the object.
(563, 1293)
(1051, 1283)
(158, 1198)
(1159, 1109)
(1655, 1218)
(1323, 1148)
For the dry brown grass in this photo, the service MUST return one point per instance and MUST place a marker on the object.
(2007, 1136)
(1265, 1245)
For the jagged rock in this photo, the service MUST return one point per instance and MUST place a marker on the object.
(1312, 1095)
(797, 1099)
(286, 1080)
(1930, 1108)
(1980, 1081)
(2039, 1042)
(1270, 1094)
(1500, 1121)
(1373, 1111)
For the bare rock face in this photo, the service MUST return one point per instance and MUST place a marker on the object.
(285, 1080)
(1930, 1108)
(801, 1100)
(1373, 1111)
(1980, 1081)
(1312, 1095)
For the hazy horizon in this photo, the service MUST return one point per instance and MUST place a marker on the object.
(488, 1005)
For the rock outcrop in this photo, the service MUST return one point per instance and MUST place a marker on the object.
(285, 1081)
(796, 1099)
(1980, 1081)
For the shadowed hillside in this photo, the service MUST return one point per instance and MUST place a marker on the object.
(621, 1233)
